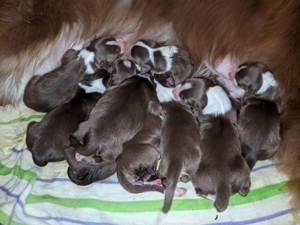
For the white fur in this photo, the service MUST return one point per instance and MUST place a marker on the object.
(88, 58)
(111, 43)
(160, 217)
(150, 50)
(164, 94)
(127, 63)
(211, 197)
(168, 53)
(218, 103)
(268, 81)
(186, 86)
(97, 86)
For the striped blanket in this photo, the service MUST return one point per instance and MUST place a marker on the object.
(33, 195)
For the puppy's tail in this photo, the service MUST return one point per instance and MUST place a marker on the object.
(222, 196)
(136, 188)
(170, 183)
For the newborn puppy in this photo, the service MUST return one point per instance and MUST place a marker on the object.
(116, 118)
(138, 161)
(122, 70)
(222, 171)
(107, 50)
(87, 170)
(180, 149)
(168, 60)
(48, 138)
(45, 92)
(259, 119)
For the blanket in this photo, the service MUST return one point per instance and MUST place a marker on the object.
(45, 195)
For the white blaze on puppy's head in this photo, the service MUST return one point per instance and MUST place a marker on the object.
(268, 81)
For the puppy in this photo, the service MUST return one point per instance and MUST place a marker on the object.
(116, 118)
(138, 161)
(180, 148)
(122, 70)
(48, 138)
(222, 171)
(84, 171)
(259, 119)
(168, 60)
(45, 92)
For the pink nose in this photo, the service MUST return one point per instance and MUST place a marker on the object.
(175, 93)
(232, 74)
(122, 44)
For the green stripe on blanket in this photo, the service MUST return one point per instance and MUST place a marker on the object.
(26, 175)
(156, 205)
(6, 219)
(20, 120)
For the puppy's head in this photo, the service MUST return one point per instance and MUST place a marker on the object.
(144, 173)
(249, 77)
(69, 56)
(193, 92)
(107, 50)
(122, 70)
(142, 54)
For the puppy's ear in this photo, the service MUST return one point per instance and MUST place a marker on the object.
(145, 68)
(170, 81)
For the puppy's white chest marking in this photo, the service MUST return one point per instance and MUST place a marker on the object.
(96, 86)
(88, 58)
(164, 94)
(267, 82)
(218, 103)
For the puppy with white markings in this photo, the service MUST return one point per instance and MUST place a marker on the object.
(136, 166)
(116, 118)
(122, 70)
(48, 138)
(180, 149)
(259, 119)
(222, 171)
(168, 60)
(45, 92)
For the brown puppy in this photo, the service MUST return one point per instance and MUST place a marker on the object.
(116, 118)
(180, 149)
(45, 92)
(259, 119)
(122, 70)
(87, 170)
(138, 161)
(48, 138)
(222, 171)
(171, 61)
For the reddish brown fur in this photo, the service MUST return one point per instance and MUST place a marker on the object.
(266, 31)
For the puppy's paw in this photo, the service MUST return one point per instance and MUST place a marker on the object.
(180, 191)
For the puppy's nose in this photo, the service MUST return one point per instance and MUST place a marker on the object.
(122, 44)
(175, 93)
(231, 74)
